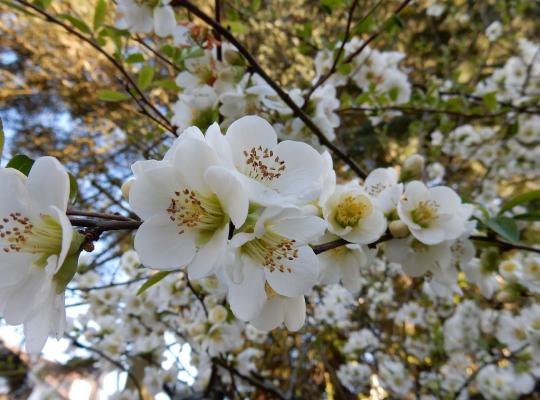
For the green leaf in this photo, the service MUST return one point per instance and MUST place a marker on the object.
(364, 26)
(21, 163)
(73, 188)
(255, 5)
(490, 100)
(345, 69)
(528, 216)
(135, 58)
(167, 84)
(146, 75)
(42, 3)
(76, 22)
(16, 7)
(505, 227)
(158, 276)
(111, 95)
(237, 26)
(99, 13)
(520, 199)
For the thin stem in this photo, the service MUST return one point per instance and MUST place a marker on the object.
(273, 84)
(164, 121)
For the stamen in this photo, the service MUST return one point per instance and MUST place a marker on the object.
(352, 209)
(261, 165)
(425, 213)
(192, 210)
(272, 251)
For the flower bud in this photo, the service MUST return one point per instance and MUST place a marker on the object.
(217, 315)
(126, 187)
(413, 167)
(398, 229)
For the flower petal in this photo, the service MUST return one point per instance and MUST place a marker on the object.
(271, 316)
(248, 297)
(304, 271)
(48, 184)
(209, 256)
(159, 245)
(247, 133)
(295, 313)
(153, 189)
(230, 192)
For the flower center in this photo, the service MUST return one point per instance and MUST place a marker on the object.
(272, 251)
(425, 213)
(18, 234)
(262, 166)
(192, 210)
(352, 209)
(148, 3)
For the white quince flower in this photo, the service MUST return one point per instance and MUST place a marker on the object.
(285, 173)
(186, 202)
(36, 240)
(354, 215)
(145, 16)
(272, 258)
(279, 309)
(433, 215)
(382, 184)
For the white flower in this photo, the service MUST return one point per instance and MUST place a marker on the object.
(36, 260)
(282, 173)
(494, 31)
(279, 309)
(145, 16)
(382, 184)
(512, 330)
(272, 258)
(360, 340)
(186, 203)
(433, 215)
(343, 264)
(354, 215)
(355, 376)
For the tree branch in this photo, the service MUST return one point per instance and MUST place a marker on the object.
(273, 84)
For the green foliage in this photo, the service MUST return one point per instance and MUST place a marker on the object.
(111, 95)
(135, 58)
(99, 14)
(520, 200)
(158, 276)
(503, 226)
(76, 22)
(146, 75)
(21, 163)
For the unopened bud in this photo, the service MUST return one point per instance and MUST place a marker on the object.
(398, 229)
(126, 187)
(413, 167)
(217, 314)
(233, 57)
(505, 296)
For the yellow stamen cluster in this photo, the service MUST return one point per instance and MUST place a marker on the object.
(193, 210)
(18, 234)
(272, 251)
(352, 209)
(261, 164)
(425, 213)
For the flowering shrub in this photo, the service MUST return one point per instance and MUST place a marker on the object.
(257, 235)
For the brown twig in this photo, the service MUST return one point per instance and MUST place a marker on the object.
(273, 84)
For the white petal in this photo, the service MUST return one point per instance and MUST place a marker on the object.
(14, 267)
(247, 133)
(159, 244)
(303, 275)
(295, 313)
(303, 174)
(230, 192)
(210, 256)
(303, 229)
(221, 146)
(48, 184)
(14, 196)
(192, 158)
(67, 234)
(24, 299)
(152, 191)
(271, 316)
(164, 21)
(248, 297)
